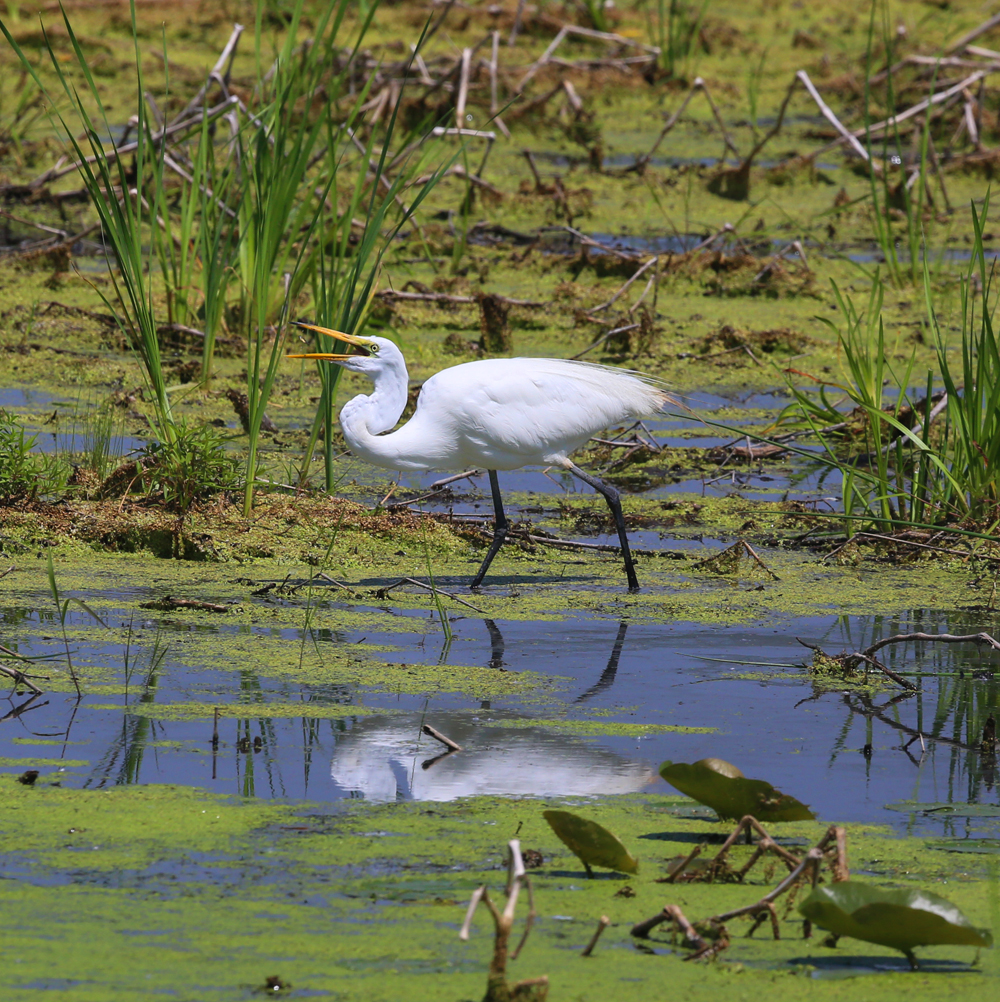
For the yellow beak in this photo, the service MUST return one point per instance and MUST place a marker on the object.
(327, 356)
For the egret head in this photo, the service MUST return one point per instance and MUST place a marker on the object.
(372, 355)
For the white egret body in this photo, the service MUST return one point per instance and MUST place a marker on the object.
(497, 414)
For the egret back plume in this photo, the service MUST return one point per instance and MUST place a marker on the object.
(641, 394)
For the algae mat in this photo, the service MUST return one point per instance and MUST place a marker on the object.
(142, 892)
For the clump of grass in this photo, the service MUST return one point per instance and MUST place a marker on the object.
(192, 465)
(277, 202)
(345, 263)
(101, 447)
(676, 26)
(264, 214)
(25, 475)
(971, 439)
(62, 613)
(907, 461)
(20, 113)
(897, 190)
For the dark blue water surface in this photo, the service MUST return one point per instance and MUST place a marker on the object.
(846, 755)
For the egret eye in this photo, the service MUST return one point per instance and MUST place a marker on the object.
(373, 348)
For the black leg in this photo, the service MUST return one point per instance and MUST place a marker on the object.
(607, 678)
(496, 645)
(611, 496)
(499, 530)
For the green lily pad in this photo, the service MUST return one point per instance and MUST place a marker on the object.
(720, 785)
(900, 919)
(591, 842)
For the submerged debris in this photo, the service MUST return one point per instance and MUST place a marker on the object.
(710, 937)
(498, 989)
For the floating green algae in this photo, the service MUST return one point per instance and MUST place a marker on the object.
(35, 763)
(552, 584)
(189, 894)
(596, 727)
(243, 711)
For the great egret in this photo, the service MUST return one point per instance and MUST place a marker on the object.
(497, 414)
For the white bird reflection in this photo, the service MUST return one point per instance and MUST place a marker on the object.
(388, 758)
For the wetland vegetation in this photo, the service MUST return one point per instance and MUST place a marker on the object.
(258, 735)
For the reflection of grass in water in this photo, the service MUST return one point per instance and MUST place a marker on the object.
(951, 721)
(125, 753)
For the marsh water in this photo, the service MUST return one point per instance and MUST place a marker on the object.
(852, 757)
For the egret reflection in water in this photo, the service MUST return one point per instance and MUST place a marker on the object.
(389, 758)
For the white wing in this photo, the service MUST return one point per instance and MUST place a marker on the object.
(509, 412)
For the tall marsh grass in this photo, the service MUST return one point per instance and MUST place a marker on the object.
(209, 236)
(126, 216)
(910, 456)
(347, 258)
(675, 25)
(898, 191)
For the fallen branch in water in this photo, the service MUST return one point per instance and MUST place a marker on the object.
(572, 29)
(614, 299)
(904, 542)
(443, 297)
(601, 926)
(438, 484)
(384, 592)
(433, 732)
(979, 639)
(20, 678)
(728, 560)
(338, 584)
(698, 85)
(169, 602)
(850, 662)
(603, 338)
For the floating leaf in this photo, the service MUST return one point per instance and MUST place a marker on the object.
(900, 919)
(721, 786)
(591, 842)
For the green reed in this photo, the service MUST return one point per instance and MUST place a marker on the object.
(909, 197)
(281, 209)
(217, 242)
(675, 26)
(125, 214)
(347, 260)
(908, 466)
(971, 437)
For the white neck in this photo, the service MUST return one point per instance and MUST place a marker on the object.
(365, 417)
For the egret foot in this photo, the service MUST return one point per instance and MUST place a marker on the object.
(614, 503)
